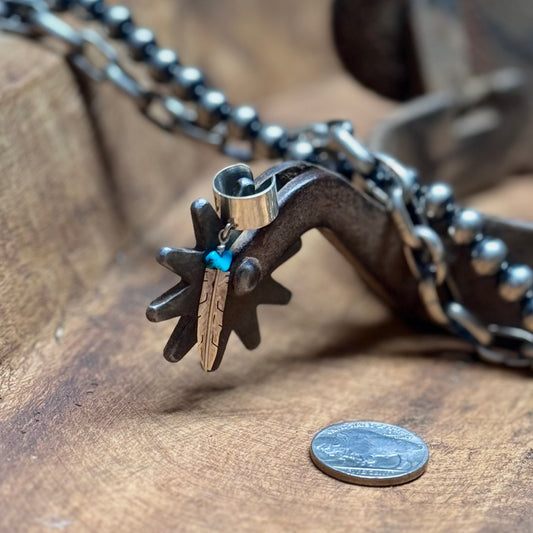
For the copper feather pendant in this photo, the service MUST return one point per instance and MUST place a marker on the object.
(211, 315)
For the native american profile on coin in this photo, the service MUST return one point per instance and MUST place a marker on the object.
(364, 448)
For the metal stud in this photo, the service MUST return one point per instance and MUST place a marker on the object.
(141, 43)
(438, 200)
(187, 81)
(271, 141)
(466, 225)
(243, 122)
(118, 20)
(162, 64)
(300, 151)
(488, 256)
(527, 314)
(515, 281)
(212, 108)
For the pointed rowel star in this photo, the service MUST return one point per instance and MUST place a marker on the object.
(240, 314)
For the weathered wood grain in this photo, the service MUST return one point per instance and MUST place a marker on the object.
(99, 433)
(60, 226)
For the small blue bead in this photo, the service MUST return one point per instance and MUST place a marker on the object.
(220, 262)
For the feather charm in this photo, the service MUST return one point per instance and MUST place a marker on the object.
(211, 312)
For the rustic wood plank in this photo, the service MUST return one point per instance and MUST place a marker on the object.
(99, 432)
(60, 226)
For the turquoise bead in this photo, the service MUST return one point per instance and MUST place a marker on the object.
(220, 262)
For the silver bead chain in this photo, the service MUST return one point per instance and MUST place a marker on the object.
(181, 101)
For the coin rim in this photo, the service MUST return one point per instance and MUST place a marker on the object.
(362, 480)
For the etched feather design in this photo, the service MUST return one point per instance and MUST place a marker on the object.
(211, 315)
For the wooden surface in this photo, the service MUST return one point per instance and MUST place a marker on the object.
(99, 433)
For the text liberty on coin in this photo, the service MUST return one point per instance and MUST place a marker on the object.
(369, 453)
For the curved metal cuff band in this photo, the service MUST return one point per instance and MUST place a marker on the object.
(237, 198)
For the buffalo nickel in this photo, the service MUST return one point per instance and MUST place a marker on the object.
(369, 453)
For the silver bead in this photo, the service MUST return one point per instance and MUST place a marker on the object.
(212, 107)
(438, 199)
(300, 151)
(118, 21)
(466, 225)
(488, 256)
(141, 42)
(243, 122)
(527, 314)
(271, 141)
(162, 64)
(515, 282)
(187, 81)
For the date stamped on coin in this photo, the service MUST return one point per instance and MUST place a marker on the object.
(369, 453)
